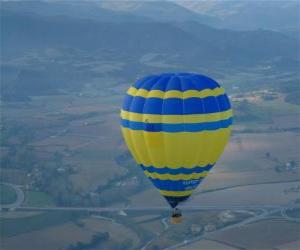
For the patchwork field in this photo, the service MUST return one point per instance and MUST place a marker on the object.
(79, 149)
(260, 194)
(15, 226)
(251, 237)
(264, 149)
(67, 233)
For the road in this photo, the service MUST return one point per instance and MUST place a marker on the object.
(162, 208)
(164, 222)
(20, 197)
(166, 226)
(239, 224)
(267, 210)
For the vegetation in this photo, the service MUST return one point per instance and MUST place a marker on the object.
(12, 227)
(288, 86)
(294, 213)
(95, 242)
(37, 199)
(297, 201)
(293, 97)
(7, 194)
(250, 112)
(291, 89)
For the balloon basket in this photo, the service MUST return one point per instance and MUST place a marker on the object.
(176, 217)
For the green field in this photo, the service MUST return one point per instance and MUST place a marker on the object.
(7, 194)
(37, 199)
(12, 227)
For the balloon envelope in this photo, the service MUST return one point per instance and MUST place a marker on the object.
(176, 126)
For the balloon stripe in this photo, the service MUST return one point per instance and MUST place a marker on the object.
(176, 177)
(164, 83)
(178, 185)
(175, 171)
(136, 117)
(173, 106)
(132, 91)
(176, 193)
(173, 128)
(195, 143)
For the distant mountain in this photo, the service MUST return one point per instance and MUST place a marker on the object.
(244, 46)
(21, 32)
(77, 9)
(48, 50)
(158, 10)
(249, 14)
(231, 14)
(111, 11)
(189, 40)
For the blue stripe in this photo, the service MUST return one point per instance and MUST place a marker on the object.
(179, 127)
(180, 185)
(174, 171)
(176, 106)
(176, 81)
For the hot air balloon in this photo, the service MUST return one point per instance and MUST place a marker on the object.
(176, 126)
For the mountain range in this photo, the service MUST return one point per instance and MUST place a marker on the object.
(138, 40)
(249, 14)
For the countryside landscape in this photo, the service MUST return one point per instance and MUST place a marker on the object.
(67, 178)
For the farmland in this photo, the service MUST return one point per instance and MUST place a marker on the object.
(67, 179)
(14, 226)
(274, 234)
(79, 159)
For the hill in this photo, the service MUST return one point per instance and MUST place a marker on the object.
(64, 48)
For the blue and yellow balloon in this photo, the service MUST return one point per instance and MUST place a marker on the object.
(176, 126)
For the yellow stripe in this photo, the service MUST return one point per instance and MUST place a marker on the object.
(175, 93)
(176, 177)
(137, 117)
(175, 150)
(176, 193)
